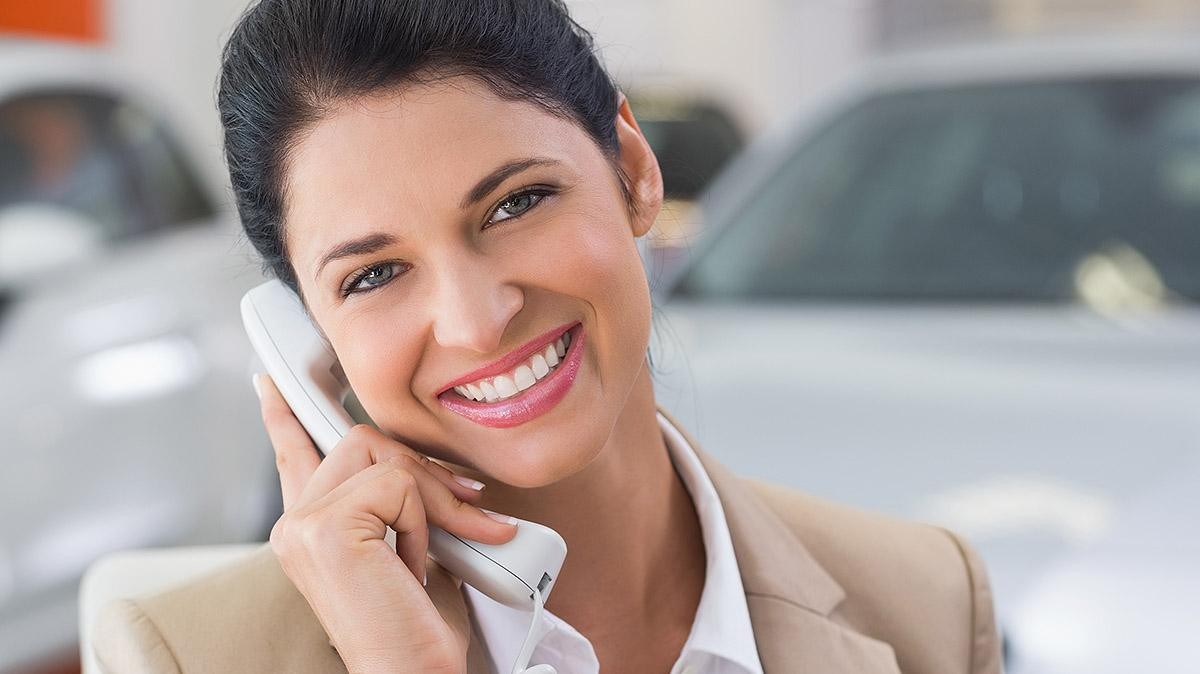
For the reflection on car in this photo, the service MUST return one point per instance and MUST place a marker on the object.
(124, 397)
(965, 290)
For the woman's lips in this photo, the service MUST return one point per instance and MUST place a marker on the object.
(514, 358)
(528, 404)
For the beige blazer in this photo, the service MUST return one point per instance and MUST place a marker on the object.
(830, 589)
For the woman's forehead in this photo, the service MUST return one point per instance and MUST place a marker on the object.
(422, 148)
(449, 126)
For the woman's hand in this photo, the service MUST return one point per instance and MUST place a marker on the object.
(330, 543)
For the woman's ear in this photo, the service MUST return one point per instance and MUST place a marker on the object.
(641, 167)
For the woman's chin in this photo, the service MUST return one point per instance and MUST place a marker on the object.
(532, 468)
(541, 452)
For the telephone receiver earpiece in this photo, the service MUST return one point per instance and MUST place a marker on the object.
(520, 573)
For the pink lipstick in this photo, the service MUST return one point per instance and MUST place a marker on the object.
(534, 401)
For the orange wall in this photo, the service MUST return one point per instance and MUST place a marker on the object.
(73, 19)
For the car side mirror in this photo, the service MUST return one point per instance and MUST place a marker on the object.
(37, 237)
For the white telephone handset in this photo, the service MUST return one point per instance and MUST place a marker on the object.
(520, 573)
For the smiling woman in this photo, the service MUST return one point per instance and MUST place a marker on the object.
(513, 224)
(455, 190)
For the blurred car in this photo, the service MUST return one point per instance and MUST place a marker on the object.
(964, 288)
(693, 136)
(125, 403)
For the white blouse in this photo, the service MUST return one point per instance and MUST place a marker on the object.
(721, 640)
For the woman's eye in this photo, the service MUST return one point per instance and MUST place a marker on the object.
(516, 205)
(370, 278)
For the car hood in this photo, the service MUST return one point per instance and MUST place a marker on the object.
(1126, 603)
(1027, 428)
(167, 306)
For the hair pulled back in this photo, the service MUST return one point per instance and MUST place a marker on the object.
(287, 62)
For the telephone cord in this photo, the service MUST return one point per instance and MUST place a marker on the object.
(521, 665)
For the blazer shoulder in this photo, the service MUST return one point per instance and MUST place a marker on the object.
(126, 640)
(908, 583)
(246, 617)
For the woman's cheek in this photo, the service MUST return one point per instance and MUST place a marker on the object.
(587, 243)
(601, 264)
(378, 360)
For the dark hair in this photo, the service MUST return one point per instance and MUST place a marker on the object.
(288, 61)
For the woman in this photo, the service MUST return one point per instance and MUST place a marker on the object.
(452, 188)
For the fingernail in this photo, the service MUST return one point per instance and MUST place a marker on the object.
(425, 579)
(469, 483)
(257, 386)
(503, 519)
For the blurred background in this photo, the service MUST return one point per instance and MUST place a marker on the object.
(942, 256)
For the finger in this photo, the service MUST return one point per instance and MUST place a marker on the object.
(445, 592)
(387, 494)
(364, 446)
(412, 535)
(441, 506)
(447, 511)
(466, 488)
(295, 455)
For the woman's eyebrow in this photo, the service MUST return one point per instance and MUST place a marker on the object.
(360, 246)
(492, 180)
(379, 240)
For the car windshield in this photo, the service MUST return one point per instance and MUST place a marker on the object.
(99, 157)
(1022, 191)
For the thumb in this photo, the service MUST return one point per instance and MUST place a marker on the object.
(445, 591)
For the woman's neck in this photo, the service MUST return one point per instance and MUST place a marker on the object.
(635, 554)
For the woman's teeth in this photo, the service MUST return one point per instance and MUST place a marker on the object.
(520, 378)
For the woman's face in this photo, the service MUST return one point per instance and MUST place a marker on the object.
(441, 230)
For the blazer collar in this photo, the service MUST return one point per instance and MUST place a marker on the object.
(790, 596)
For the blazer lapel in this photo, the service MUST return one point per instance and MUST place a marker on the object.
(790, 596)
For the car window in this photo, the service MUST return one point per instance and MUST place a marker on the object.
(99, 157)
(996, 192)
(692, 140)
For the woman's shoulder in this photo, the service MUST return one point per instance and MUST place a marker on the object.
(249, 607)
(855, 537)
(908, 583)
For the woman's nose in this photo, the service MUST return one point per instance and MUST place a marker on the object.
(473, 307)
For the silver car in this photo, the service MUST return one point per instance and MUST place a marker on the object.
(125, 405)
(964, 289)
